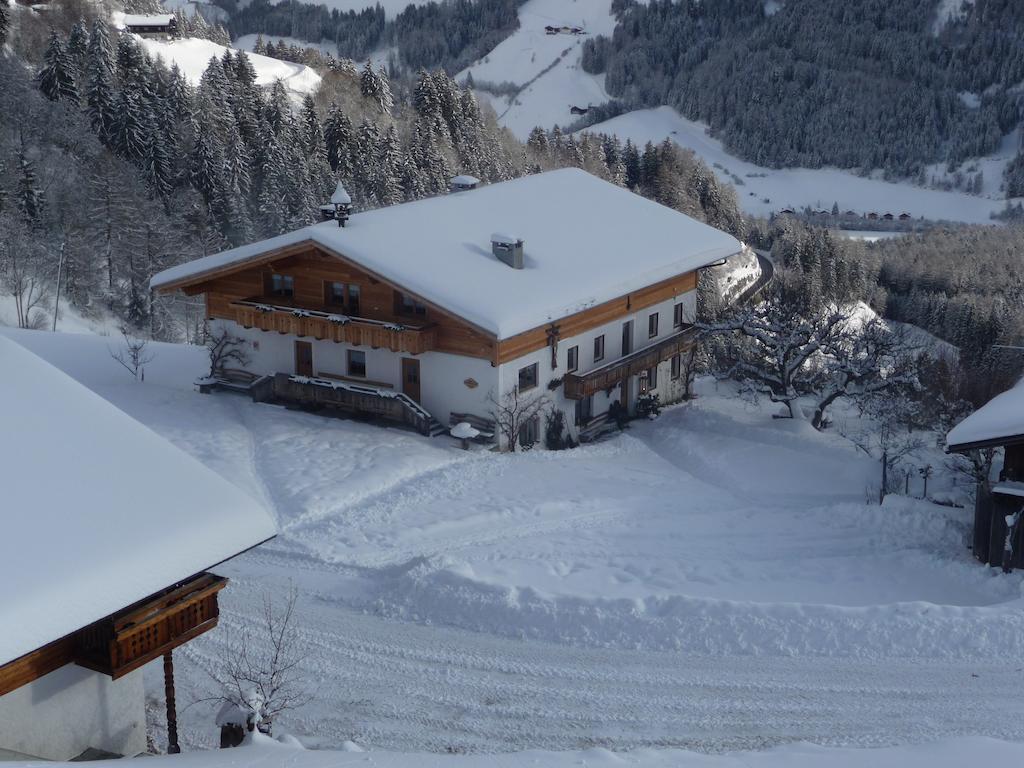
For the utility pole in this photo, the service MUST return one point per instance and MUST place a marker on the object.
(60, 270)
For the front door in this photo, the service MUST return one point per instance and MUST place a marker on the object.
(303, 358)
(411, 378)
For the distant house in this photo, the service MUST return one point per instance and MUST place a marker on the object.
(548, 29)
(574, 110)
(109, 535)
(872, 216)
(905, 216)
(787, 211)
(887, 217)
(850, 214)
(425, 313)
(154, 25)
(997, 424)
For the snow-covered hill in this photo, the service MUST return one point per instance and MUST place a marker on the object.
(547, 71)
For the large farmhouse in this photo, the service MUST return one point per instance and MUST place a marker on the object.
(428, 312)
(109, 535)
(997, 424)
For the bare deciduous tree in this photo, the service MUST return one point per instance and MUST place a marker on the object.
(225, 348)
(23, 271)
(514, 410)
(133, 356)
(264, 663)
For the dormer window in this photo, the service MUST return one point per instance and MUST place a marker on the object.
(407, 305)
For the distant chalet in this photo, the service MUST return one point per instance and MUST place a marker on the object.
(109, 535)
(420, 313)
(154, 25)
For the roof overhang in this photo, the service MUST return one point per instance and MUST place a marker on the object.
(995, 442)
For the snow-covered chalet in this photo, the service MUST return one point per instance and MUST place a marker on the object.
(110, 533)
(427, 312)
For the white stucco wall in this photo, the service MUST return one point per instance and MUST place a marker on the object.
(62, 714)
(612, 332)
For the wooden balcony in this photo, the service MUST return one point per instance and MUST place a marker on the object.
(581, 385)
(359, 331)
(146, 631)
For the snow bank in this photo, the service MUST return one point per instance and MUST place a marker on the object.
(267, 753)
(192, 55)
(100, 511)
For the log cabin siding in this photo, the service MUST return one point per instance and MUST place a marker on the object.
(573, 325)
(312, 268)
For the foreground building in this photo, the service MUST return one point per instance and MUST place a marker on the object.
(109, 535)
(429, 312)
(997, 424)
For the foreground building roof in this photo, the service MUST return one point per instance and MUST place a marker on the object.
(999, 421)
(99, 511)
(585, 241)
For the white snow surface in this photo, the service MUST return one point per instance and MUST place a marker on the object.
(99, 511)
(264, 752)
(585, 241)
(767, 190)
(1002, 416)
(192, 55)
(712, 580)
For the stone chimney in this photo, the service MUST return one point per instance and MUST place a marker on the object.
(508, 250)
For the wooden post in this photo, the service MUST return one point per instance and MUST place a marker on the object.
(172, 715)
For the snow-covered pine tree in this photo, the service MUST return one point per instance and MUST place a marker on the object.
(57, 76)
(30, 196)
(129, 129)
(435, 171)
(369, 86)
(78, 49)
(387, 186)
(385, 99)
(339, 140)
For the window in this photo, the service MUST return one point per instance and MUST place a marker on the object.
(627, 337)
(676, 366)
(678, 319)
(334, 293)
(652, 325)
(573, 361)
(529, 432)
(342, 295)
(652, 378)
(599, 348)
(357, 363)
(407, 305)
(527, 377)
(280, 285)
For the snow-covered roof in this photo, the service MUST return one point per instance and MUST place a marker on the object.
(99, 512)
(586, 241)
(1002, 417)
(154, 20)
(464, 180)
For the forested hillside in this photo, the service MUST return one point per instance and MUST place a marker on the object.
(115, 167)
(872, 84)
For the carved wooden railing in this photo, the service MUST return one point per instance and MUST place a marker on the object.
(359, 331)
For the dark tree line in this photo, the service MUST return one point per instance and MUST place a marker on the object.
(449, 34)
(824, 82)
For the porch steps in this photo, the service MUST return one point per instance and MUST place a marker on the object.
(436, 428)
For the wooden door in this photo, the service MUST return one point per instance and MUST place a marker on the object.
(411, 378)
(303, 358)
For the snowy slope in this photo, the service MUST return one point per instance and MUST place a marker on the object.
(763, 190)
(391, 7)
(192, 55)
(712, 580)
(545, 66)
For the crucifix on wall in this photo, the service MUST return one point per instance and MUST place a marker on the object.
(553, 334)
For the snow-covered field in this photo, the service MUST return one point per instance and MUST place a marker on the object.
(763, 190)
(391, 7)
(712, 580)
(547, 68)
(192, 55)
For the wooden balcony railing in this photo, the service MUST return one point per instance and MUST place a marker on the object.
(359, 331)
(125, 641)
(581, 385)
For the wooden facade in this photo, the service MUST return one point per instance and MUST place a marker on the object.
(123, 642)
(243, 293)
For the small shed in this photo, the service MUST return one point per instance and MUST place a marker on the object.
(153, 25)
